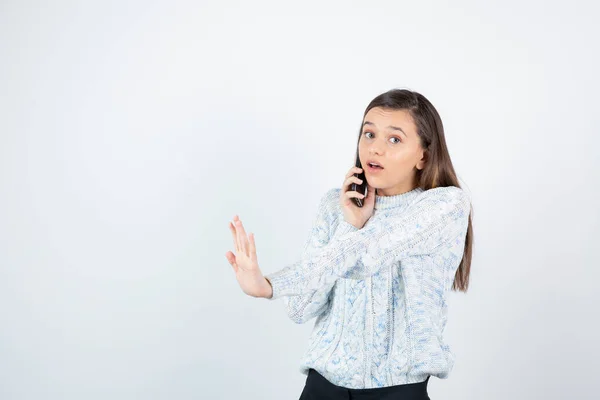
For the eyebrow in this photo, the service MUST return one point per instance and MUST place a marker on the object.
(396, 128)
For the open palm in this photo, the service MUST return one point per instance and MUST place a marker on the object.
(245, 262)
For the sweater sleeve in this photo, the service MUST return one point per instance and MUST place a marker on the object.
(303, 307)
(437, 216)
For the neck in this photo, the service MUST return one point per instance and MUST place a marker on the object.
(384, 202)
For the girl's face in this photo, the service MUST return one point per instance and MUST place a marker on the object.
(389, 137)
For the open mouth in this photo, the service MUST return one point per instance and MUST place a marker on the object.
(374, 166)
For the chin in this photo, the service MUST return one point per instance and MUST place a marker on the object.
(374, 182)
(375, 187)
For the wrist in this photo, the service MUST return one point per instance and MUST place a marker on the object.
(268, 293)
(345, 227)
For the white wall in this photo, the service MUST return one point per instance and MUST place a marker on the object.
(131, 132)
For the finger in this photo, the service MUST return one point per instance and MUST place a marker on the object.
(252, 247)
(370, 195)
(231, 259)
(352, 179)
(242, 237)
(353, 170)
(351, 193)
(234, 234)
(373, 190)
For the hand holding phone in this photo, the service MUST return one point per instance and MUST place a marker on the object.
(360, 188)
(356, 214)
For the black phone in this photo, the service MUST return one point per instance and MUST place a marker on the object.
(362, 188)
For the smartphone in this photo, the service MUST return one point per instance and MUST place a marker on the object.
(362, 188)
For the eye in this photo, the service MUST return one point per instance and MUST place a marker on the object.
(367, 133)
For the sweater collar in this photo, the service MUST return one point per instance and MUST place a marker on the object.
(398, 200)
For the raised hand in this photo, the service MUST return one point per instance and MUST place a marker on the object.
(245, 262)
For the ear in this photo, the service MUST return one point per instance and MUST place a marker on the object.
(421, 164)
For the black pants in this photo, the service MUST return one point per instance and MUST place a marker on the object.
(319, 388)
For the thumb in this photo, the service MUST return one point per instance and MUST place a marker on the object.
(370, 194)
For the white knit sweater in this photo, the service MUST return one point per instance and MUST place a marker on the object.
(378, 293)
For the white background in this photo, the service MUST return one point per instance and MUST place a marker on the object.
(132, 132)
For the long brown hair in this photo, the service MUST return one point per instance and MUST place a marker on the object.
(438, 170)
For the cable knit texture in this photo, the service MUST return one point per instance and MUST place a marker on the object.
(378, 293)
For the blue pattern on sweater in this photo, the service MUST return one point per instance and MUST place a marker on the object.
(378, 293)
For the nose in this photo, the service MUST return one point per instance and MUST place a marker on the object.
(374, 150)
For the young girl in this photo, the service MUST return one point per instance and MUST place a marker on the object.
(376, 277)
